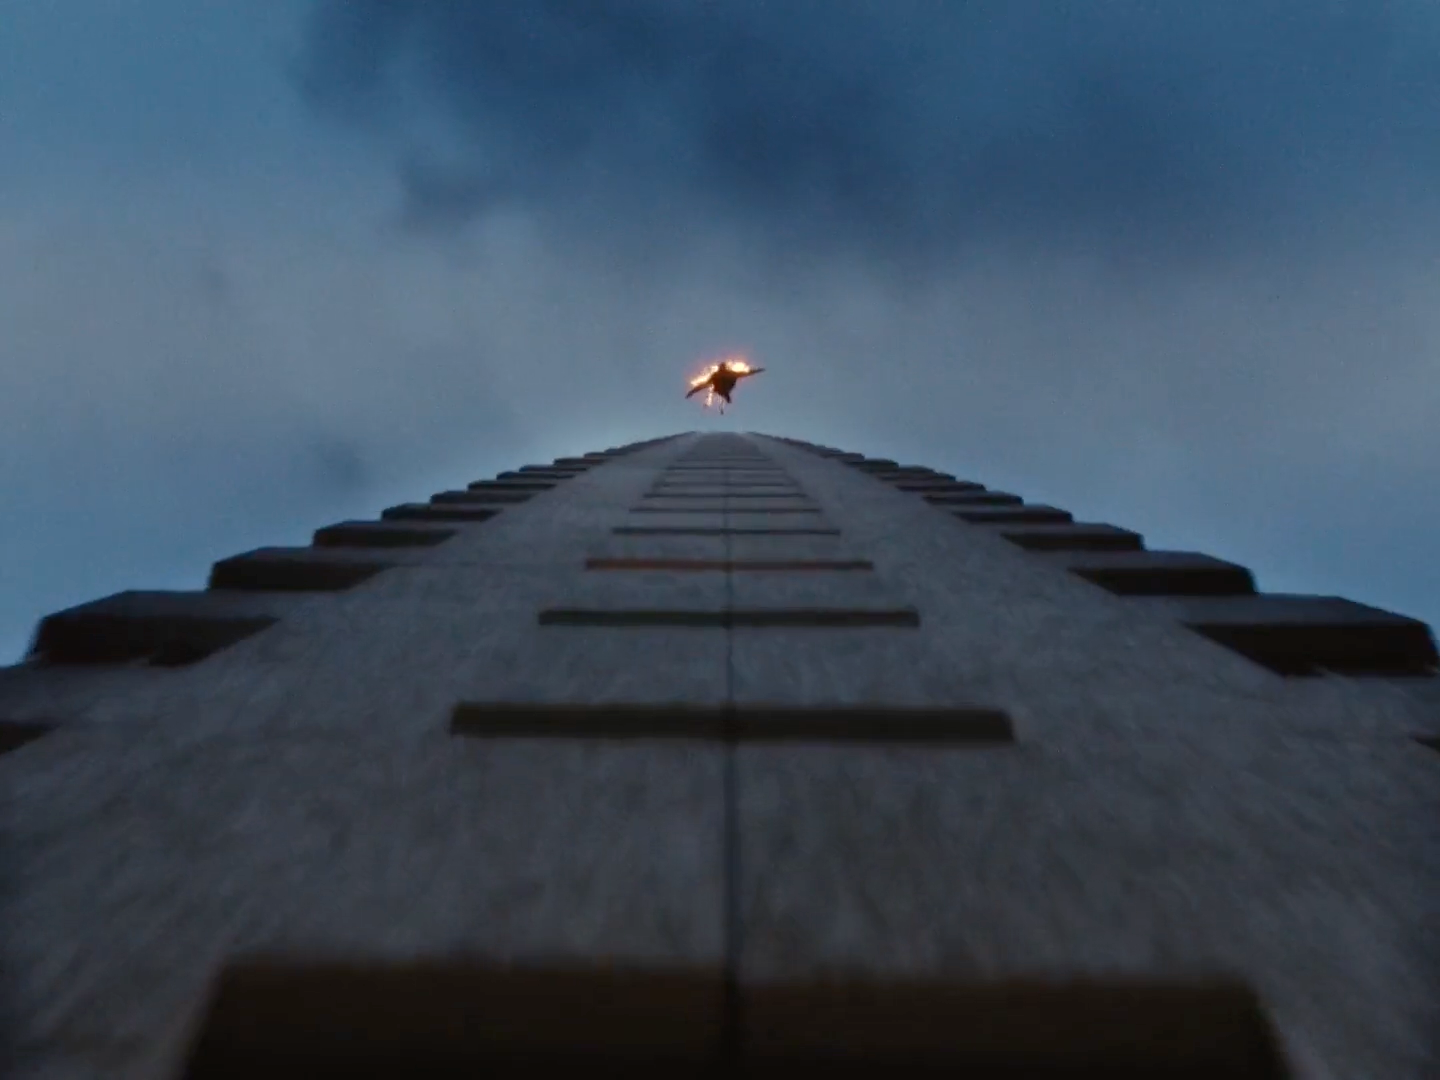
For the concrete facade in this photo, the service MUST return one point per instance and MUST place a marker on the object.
(738, 707)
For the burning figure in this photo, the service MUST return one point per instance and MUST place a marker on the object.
(721, 379)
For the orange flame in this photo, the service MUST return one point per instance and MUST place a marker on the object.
(737, 364)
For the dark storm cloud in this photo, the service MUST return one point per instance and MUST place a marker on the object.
(897, 128)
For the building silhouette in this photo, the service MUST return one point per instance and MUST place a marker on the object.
(722, 752)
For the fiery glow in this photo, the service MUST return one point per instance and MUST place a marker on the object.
(737, 364)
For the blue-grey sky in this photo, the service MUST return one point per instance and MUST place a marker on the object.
(1167, 264)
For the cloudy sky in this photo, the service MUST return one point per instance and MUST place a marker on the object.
(1166, 264)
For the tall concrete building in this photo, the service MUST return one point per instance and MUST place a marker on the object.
(722, 754)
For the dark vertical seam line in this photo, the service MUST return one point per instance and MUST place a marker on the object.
(730, 1024)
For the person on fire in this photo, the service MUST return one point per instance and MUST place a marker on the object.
(721, 381)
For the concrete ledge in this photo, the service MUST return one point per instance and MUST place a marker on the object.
(1025, 514)
(513, 484)
(974, 497)
(379, 534)
(488, 495)
(292, 569)
(437, 512)
(1077, 536)
(1304, 635)
(541, 472)
(1161, 573)
(939, 487)
(917, 475)
(165, 628)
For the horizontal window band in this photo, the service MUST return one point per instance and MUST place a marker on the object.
(1113, 1026)
(722, 470)
(715, 493)
(748, 723)
(731, 480)
(728, 480)
(723, 509)
(718, 530)
(753, 498)
(283, 1017)
(737, 565)
(799, 618)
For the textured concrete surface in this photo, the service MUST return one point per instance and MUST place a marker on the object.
(1168, 806)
